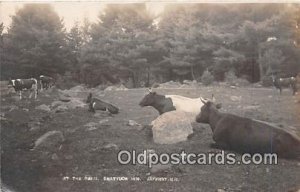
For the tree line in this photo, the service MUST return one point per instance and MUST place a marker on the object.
(129, 44)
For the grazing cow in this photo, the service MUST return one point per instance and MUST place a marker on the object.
(165, 103)
(97, 104)
(279, 83)
(46, 82)
(248, 135)
(24, 84)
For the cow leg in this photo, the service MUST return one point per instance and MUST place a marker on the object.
(294, 89)
(280, 90)
(220, 145)
(30, 95)
(20, 94)
(41, 85)
(91, 107)
(35, 93)
(219, 136)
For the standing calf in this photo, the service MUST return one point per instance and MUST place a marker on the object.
(25, 84)
(97, 104)
(279, 83)
(248, 135)
(46, 82)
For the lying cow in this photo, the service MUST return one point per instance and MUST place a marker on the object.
(97, 104)
(25, 84)
(46, 82)
(280, 83)
(165, 103)
(248, 135)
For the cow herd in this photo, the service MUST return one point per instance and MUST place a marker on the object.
(32, 85)
(230, 131)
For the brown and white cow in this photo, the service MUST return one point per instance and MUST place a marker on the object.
(165, 103)
(25, 84)
(248, 135)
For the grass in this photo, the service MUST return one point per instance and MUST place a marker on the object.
(84, 153)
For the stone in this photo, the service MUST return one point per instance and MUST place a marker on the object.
(60, 109)
(250, 107)
(235, 98)
(54, 156)
(133, 123)
(121, 87)
(64, 98)
(49, 140)
(43, 107)
(103, 121)
(91, 126)
(160, 168)
(172, 127)
(111, 146)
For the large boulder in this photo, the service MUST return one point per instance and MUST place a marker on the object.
(120, 87)
(50, 141)
(172, 127)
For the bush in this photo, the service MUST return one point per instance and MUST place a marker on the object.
(230, 78)
(267, 81)
(233, 80)
(207, 78)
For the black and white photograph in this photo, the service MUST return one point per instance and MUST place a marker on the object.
(155, 95)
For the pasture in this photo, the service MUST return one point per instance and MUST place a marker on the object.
(92, 151)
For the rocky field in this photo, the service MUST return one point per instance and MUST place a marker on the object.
(54, 143)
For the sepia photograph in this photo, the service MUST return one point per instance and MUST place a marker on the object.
(155, 95)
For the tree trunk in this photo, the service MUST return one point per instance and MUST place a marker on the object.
(148, 77)
(261, 68)
(192, 72)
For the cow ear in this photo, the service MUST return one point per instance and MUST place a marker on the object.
(218, 106)
(150, 90)
(213, 99)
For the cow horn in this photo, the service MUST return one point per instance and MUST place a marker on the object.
(203, 100)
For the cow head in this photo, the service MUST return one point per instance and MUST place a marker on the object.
(11, 82)
(206, 109)
(149, 99)
(89, 98)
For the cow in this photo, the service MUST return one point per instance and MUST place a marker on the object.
(24, 84)
(279, 83)
(97, 104)
(247, 135)
(166, 103)
(46, 82)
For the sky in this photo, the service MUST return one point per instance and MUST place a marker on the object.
(69, 11)
(72, 11)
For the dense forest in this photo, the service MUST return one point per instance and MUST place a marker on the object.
(128, 43)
